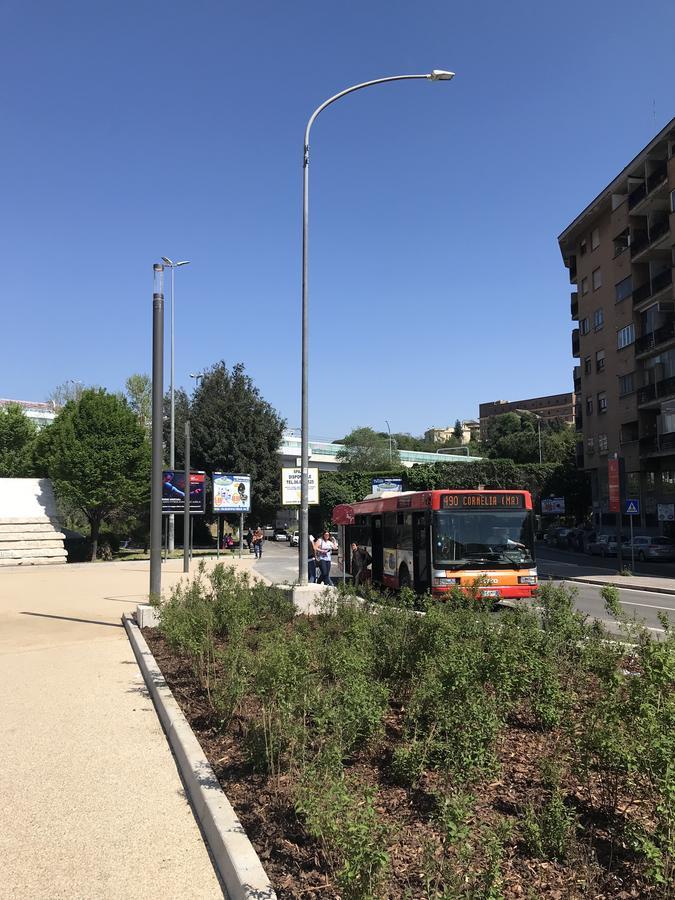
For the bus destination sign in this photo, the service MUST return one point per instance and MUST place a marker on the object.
(483, 500)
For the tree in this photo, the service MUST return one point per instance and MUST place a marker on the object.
(17, 440)
(182, 409)
(364, 450)
(138, 389)
(99, 458)
(514, 436)
(458, 431)
(233, 429)
(64, 392)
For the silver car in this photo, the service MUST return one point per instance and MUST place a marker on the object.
(646, 547)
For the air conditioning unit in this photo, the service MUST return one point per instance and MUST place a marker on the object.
(666, 307)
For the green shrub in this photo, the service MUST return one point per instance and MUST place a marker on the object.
(548, 828)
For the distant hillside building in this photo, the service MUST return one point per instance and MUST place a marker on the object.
(470, 429)
(38, 412)
(555, 406)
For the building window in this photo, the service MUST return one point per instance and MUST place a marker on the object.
(597, 279)
(602, 402)
(668, 481)
(600, 361)
(626, 384)
(582, 247)
(584, 285)
(602, 443)
(625, 336)
(598, 319)
(623, 289)
(590, 445)
(650, 480)
(588, 365)
(584, 326)
(589, 406)
(622, 242)
(595, 238)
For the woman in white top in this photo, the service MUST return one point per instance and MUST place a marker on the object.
(324, 547)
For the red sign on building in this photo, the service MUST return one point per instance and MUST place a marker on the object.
(614, 480)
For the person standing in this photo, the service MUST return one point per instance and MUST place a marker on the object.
(361, 559)
(311, 560)
(258, 539)
(324, 548)
(248, 537)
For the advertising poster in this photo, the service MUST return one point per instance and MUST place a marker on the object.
(382, 485)
(231, 493)
(553, 506)
(173, 492)
(666, 512)
(290, 486)
(614, 484)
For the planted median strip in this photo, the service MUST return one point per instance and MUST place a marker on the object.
(455, 754)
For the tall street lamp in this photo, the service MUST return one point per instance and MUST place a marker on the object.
(389, 430)
(527, 412)
(435, 75)
(172, 439)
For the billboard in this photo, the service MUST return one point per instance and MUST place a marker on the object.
(231, 493)
(290, 486)
(614, 484)
(665, 512)
(380, 485)
(173, 492)
(553, 506)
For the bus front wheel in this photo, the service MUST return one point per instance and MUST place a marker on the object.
(404, 577)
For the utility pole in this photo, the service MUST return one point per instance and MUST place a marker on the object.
(157, 417)
(186, 508)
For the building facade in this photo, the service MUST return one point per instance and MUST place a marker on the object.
(39, 413)
(620, 255)
(555, 406)
(470, 431)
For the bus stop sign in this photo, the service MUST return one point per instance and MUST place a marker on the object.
(343, 514)
(632, 508)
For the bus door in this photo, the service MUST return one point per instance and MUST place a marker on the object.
(376, 540)
(421, 551)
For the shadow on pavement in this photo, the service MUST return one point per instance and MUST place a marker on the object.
(72, 619)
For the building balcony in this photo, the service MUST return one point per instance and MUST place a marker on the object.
(637, 195)
(657, 177)
(576, 377)
(644, 242)
(578, 419)
(655, 339)
(654, 180)
(572, 265)
(654, 444)
(574, 305)
(576, 351)
(651, 393)
(649, 291)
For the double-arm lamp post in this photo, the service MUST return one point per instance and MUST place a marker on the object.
(436, 75)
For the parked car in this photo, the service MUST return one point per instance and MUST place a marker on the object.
(604, 545)
(280, 534)
(562, 537)
(268, 532)
(646, 547)
(295, 539)
(552, 535)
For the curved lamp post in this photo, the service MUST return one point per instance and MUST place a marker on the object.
(435, 75)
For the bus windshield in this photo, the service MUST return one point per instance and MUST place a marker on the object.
(483, 539)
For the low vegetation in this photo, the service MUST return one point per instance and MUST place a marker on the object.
(375, 752)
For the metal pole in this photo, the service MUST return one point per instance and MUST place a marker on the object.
(192, 536)
(436, 75)
(389, 430)
(172, 439)
(241, 534)
(157, 398)
(186, 507)
(539, 430)
(632, 547)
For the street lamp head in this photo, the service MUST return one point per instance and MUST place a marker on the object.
(184, 262)
(167, 261)
(440, 75)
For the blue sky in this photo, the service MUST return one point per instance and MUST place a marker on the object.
(133, 130)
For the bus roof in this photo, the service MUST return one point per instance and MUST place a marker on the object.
(392, 501)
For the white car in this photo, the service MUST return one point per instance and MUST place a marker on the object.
(280, 534)
(295, 539)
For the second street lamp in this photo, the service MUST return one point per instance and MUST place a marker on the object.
(172, 437)
(435, 75)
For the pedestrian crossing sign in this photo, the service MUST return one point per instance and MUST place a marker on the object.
(632, 508)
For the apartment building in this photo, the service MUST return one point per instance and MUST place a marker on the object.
(620, 255)
(470, 430)
(38, 412)
(555, 406)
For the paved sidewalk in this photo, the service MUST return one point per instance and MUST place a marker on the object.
(92, 803)
(630, 582)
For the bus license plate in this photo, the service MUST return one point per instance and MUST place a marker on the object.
(490, 593)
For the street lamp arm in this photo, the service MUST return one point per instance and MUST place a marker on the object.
(436, 75)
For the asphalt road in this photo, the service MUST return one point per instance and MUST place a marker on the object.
(280, 564)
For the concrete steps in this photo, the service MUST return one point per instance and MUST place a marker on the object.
(29, 527)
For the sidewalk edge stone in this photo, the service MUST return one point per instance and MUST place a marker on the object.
(236, 860)
(628, 585)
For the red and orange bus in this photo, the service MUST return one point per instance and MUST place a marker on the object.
(437, 540)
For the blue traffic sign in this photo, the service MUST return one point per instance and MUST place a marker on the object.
(632, 508)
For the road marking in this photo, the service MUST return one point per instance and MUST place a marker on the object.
(647, 605)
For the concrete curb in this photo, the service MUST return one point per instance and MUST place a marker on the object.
(628, 585)
(236, 860)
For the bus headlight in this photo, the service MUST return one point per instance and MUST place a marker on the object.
(443, 582)
(527, 579)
